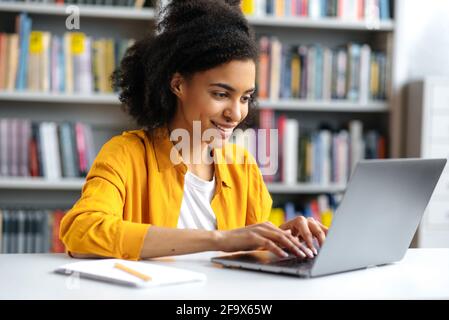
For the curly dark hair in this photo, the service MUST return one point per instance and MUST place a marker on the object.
(191, 36)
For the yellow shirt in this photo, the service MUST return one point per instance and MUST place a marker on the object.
(133, 185)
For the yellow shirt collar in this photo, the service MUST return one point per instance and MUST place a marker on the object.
(162, 148)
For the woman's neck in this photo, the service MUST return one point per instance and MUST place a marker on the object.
(195, 153)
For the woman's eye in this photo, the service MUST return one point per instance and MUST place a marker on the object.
(246, 99)
(220, 94)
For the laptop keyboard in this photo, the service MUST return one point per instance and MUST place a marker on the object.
(293, 263)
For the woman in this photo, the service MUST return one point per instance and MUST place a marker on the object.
(144, 198)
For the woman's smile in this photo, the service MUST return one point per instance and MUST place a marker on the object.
(225, 130)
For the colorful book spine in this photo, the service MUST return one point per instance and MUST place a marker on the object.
(350, 10)
(45, 149)
(352, 72)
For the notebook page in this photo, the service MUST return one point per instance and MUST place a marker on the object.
(103, 269)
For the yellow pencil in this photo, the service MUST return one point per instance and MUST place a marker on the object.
(135, 273)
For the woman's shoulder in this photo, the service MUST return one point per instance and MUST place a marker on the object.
(130, 142)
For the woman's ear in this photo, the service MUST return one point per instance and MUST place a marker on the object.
(176, 84)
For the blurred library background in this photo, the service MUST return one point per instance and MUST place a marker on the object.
(342, 80)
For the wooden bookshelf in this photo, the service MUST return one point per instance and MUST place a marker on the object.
(115, 12)
(285, 27)
(27, 96)
(322, 23)
(131, 13)
(324, 106)
(75, 184)
(287, 105)
(40, 183)
(103, 113)
(304, 188)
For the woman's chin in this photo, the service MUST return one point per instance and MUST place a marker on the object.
(218, 143)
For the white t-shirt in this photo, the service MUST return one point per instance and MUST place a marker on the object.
(196, 211)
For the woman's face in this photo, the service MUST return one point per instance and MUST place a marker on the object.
(218, 98)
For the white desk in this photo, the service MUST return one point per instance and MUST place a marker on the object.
(422, 274)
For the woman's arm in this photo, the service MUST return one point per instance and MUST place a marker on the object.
(161, 241)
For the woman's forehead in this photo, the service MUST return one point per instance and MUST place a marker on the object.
(238, 74)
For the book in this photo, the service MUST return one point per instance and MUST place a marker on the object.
(5, 231)
(290, 150)
(68, 60)
(3, 59)
(21, 231)
(13, 61)
(356, 143)
(281, 126)
(248, 7)
(353, 69)
(23, 27)
(317, 72)
(277, 216)
(46, 149)
(323, 156)
(24, 141)
(67, 149)
(28, 232)
(275, 68)
(14, 147)
(104, 270)
(265, 157)
(1, 230)
(347, 10)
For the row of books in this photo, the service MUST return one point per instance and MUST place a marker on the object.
(354, 10)
(354, 72)
(30, 230)
(45, 149)
(73, 63)
(121, 3)
(321, 208)
(296, 154)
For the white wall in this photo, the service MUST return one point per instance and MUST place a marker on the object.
(421, 49)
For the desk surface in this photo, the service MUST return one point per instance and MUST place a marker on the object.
(422, 274)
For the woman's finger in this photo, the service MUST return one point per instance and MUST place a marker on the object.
(317, 231)
(306, 251)
(282, 238)
(305, 233)
(293, 238)
(323, 227)
(269, 245)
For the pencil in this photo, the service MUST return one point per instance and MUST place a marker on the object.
(135, 273)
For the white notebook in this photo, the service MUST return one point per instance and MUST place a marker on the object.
(105, 270)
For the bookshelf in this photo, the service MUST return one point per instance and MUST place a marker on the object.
(321, 23)
(102, 110)
(330, 31)
(75, 184)
(107, 99)
(427, 137)
(22, 183)
(324, 106)
(115, 12)
(290, 104)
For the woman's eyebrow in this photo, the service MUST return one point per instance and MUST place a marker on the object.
(228, 87)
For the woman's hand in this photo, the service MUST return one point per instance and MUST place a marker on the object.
(306, 229)
(262, 236)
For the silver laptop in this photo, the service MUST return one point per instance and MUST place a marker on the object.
(373, 225)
